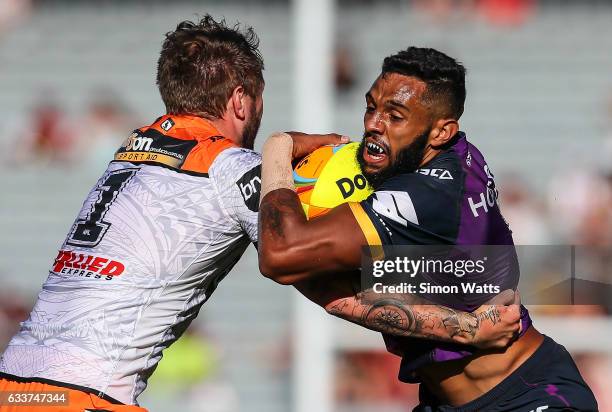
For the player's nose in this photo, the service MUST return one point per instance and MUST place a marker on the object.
(373, 123)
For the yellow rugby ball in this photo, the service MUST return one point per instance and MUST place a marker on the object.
(328, 177)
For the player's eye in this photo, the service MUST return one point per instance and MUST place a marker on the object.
(395, 117)
(370, 109)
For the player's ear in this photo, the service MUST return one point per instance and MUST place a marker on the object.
(237, 102)
(442, 131)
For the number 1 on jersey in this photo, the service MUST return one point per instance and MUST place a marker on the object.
(89, 232)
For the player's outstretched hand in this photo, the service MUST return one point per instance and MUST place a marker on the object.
(499, 321)
(304, 143)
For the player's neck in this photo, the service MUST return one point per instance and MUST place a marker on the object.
(429, 154)
(228, 129)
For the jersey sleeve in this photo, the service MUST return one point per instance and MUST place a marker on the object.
(237, 174)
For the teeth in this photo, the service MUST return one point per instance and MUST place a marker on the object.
(375, 148)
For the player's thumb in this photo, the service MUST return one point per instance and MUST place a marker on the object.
(507, 297)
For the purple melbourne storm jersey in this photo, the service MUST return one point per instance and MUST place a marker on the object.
(452, 200)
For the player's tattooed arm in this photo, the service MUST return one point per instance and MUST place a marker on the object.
(292, 249)
(489, 326)
(278, 213)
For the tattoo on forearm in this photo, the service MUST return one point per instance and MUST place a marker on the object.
(394, 316)
(271, 220)
(274, 207)
(390, 315)
(338, 308)
(398, 317)
(459, 323)
(491, 314)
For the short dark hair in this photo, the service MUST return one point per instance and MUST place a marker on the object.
(444, 76)
(202, 63)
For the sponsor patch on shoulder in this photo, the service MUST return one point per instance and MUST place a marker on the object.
(153, 146)
(250, 188)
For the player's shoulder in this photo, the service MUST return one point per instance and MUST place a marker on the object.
(236, 161)
(182, 143)
(445, 169)
(239, 169)
(441, 176)
(207, 151)
(429, 197)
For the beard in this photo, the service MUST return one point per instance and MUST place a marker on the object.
(251, 128)
(407, 160)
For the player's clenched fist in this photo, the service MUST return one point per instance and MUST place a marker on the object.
(498, 326)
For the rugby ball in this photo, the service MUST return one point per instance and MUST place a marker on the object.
(328, 177)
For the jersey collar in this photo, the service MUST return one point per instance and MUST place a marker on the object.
(186, 127)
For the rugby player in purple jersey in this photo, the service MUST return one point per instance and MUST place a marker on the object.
(432, 187)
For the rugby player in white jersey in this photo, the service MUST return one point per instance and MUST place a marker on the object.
(167, 220)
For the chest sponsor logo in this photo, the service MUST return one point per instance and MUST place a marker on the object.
(87, 266)
(250, 188)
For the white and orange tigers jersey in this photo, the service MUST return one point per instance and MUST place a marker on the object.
(164, 224)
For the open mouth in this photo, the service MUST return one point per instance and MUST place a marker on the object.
(374, 152)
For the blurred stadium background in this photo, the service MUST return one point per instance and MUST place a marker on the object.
(77, 76)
